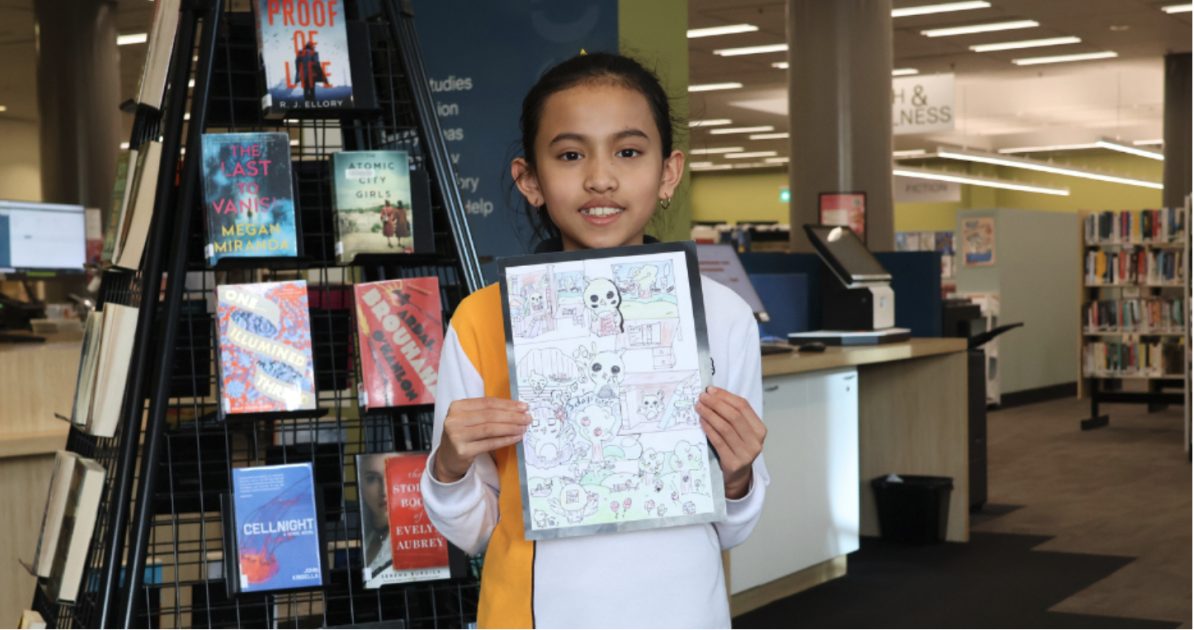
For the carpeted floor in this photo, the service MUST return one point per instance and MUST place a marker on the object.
(1083, 529)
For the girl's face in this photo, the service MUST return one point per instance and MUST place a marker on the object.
(600, 166)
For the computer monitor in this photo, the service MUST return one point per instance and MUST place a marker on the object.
(721, 263)
(846, 255)
(46, 237)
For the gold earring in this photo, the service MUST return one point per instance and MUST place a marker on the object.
(665, 203)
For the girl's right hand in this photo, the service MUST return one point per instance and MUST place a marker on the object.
(474, 426)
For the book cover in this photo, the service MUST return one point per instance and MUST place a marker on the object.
(88, 363)
(78, 524)
(51, 518)
(112, 219)
(249, 196)
(277, 534)
(158, 53)
(138, 215)
(265, 347)
(399, 331)
(418, 550)
(372, 204)
(304, 52)
(117, 335)
(375, 520)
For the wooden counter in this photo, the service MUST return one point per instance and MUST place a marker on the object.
(839, 356)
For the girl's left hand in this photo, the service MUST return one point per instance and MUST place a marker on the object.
(736, 433)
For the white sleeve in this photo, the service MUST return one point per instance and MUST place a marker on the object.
(743, 375)
(464, 511)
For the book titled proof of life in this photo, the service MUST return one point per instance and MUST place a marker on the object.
(609, 350)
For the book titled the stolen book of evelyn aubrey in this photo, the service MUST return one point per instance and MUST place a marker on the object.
(419, 551)
(248, 195)
(277, 543)
(374, 213)
(265, 348)
(399, 331)
(305, 54)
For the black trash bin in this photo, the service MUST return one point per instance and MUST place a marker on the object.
(914, 509)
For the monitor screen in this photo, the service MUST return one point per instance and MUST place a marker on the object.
(845, 254)
(42, 236)
(721, 263)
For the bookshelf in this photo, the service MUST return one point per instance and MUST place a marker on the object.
(1134, 318)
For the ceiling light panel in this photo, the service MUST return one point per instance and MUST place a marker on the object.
(782, 65)
(715, 150)
(979, 28)
(1115, 145)
(769, 136)
(751, 154)
(709, 122)
(1044, 167)
(1034, 61)
(904, 72)
(1051, 147)
(729, 29)
(709, 87)
(944, 7)
(1026, 43)
(1178, 8)
(1150, 142)
(729, 130)
(751, 50)
(989, 182)
(132, 38)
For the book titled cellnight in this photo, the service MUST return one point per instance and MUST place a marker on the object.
(265, 348)
(304, 51)
(249, 196)
(277, 528)
(373, 204)
(400, 332)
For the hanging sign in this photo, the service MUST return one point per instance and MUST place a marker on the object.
(922, 104)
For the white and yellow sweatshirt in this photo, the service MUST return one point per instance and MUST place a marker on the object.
(646, 579)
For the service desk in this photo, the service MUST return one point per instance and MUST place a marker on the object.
(835, 420)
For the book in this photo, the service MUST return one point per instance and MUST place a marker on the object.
(399, 333)
(31, 619)
(276, 540)
(88, 363)
(158, 53)
(117, 334)
(265, 348)
(305, 56)
(373, 204)
(78, 524)
(375, 519)
(418, 550)
(51, 518)
(249, 196)
(111, 226)
(139, 213)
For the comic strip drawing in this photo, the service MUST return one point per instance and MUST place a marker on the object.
(606, 355)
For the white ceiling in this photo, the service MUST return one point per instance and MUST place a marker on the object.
(998, 104)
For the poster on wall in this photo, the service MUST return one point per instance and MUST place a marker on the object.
(848, 209)
(978, 242)
(610, 352)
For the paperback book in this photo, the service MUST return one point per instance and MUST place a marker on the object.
(249, 196)
(78, 524)
(398, 541)
(276, 540)
(305, 54)
(400, 332)
(265, 348)
(373, 204)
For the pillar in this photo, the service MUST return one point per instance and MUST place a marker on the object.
(1177, 130)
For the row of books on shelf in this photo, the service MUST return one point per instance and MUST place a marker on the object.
(272, 519)
(1165, 225)
(1148, 267)
(264, 351)
(1137, 315)
(1124, 359)
(942, 241)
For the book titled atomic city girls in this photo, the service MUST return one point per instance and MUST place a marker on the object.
(276, 541)
(304, 53)
(248, 196)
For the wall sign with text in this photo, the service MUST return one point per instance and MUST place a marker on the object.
(922, 104)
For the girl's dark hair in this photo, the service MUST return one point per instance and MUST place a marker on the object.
(596, 67)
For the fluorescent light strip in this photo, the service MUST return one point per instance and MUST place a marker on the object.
(755, 165)
(944, 176)
(944, 7)
(715, 150)
(782, 65)
(980, 28)
(1115, 145)
(1051, 147)
(132, 38)
(751, 50)
(751, 154)
(726, 130)
(124, 145)
(1026, 43)
(699, 164)
(769, 136)
(1139, 143)
(709, 122)
(715, 167)
(904, 72)
(729, 29)
(778, 160)
(909, 153)
(709, 87)
(1033, 61)
(1178, 8)
(1044, 167)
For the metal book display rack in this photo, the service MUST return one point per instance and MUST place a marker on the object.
(156, 554)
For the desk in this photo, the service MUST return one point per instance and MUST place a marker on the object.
(37, 380)
(836, 420)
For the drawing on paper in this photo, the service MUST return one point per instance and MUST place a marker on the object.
(606, 355)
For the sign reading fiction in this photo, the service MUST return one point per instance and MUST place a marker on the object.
(916, 190)
(922, 104)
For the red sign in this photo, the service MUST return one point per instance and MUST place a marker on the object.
(848, 209)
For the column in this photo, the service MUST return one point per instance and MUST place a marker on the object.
(839, 104)
(1177, 129)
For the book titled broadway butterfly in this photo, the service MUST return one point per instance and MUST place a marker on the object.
(265, 348)
(276, 529)
(399, 331)
(419, 551)
(249, 196)
(304, 51)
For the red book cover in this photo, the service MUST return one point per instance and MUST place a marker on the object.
(399, 330)
(418, 549)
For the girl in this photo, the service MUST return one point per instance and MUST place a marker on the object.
(598, 157)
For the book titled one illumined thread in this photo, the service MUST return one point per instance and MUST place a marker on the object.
(277, 543)
(400, 331)
(249, 196)
(373, 204)
(304, 52)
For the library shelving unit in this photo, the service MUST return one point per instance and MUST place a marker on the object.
(1134, 320)
(155, 556)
